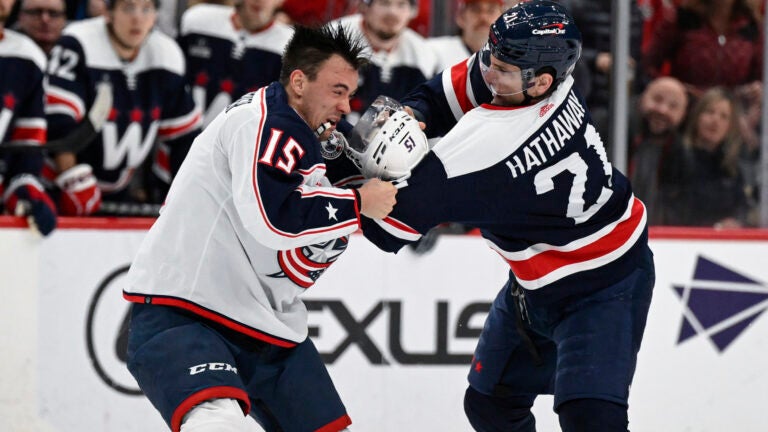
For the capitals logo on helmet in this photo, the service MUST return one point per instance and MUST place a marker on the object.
(537, 34)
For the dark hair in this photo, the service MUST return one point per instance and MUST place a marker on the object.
(110, 4)
(310, 47)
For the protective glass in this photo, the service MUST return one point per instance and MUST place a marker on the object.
(371, 122)
(501, 82)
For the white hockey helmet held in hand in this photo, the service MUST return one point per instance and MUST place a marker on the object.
(386, 142)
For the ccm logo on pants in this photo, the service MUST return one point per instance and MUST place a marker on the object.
(194, 370)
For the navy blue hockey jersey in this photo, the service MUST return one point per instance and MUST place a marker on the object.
(392, 73)
(151, 102)
(223, 63)
(22, 118)
(537, 182)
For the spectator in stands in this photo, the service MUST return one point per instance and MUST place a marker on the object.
(710, 43)
(400, 58)
(473, 18)
(316, 12)
(230, 51)
(656, 129)
(151, 103)
(716, 43)
(22, 125)
(703, 185)
(594, 18)
(42, 21)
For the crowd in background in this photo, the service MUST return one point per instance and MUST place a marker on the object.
(696, 68)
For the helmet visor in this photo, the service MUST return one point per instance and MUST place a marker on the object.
(500, 81)
(371, 122)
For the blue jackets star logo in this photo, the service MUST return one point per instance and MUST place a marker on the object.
(331, 211)
(719, 303)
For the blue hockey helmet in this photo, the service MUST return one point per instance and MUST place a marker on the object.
(534, 35)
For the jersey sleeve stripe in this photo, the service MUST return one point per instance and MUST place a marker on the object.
(455, 84)
(310, 192)
(34, 135)
(398, 229)
(554, 264)
(60, 101)
(169, 129)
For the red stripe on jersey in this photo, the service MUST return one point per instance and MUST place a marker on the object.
(459, 74)
(335, 426)
(29, 134)
(399, 225)
(57, 100)
(219, 392)
(546, 262)
(199, 310)
(348, 194)
(178, 130)
(311, 170)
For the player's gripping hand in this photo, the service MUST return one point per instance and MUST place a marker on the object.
(377, 198)
(80, 196)
(26, 197)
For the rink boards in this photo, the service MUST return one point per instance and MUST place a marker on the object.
(397, 332)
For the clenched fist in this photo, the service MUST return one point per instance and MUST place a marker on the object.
(377, 198)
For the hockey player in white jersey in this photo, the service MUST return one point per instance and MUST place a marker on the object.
(218, 328)
(530, 171)
(151, 103)
(473, 17)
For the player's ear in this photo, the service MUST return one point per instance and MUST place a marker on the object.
(297, 81)
(541, 84)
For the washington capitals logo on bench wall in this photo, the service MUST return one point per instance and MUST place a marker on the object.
(719, 303)
(305, 264)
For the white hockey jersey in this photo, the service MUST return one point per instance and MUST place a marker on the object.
(250, 223)
(449, 50)
(391, 73)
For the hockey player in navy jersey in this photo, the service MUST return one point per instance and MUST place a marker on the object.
(151, 102)
(529, 170)
(22, 124)
(229, 51)
(218, 328)
(400, 57)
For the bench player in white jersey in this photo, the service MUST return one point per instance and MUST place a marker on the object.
(218, 328)
(529, 170)
(229, 51)
(151, 102)
(22, 124)
(473, 17)
(400, 57)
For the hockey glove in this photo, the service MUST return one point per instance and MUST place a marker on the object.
(26, 197)
(80, 196)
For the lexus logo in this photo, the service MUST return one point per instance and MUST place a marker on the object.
(106, 334)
